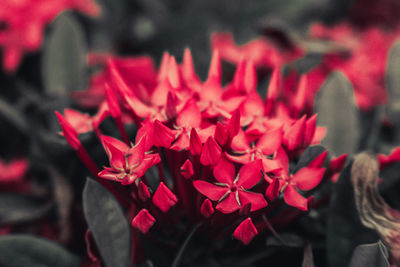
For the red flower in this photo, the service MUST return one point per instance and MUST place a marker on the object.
(364, 62)
(25, 22)
(13, 171)
(259, 51)
(385, 161)
(127, 163)
(304, 179)
(232, 192)
(266, 145)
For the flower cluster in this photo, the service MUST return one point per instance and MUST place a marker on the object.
(22, 23)
(223, 153)
(362, 58)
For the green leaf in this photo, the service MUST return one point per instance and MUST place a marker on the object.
(15, 208)
(370, 255)
(338, 112)
(26, 250)
(64, 59)
(108, 225)
(344, 228)
(393, 83)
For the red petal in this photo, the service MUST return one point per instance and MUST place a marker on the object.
(221, 134)
(163, 70)
(81, 122)
(318, 135)
(250, 77)
(187, 169)
(250, 174)
(188, 71)
(238, 78)
(112, 102)
(211, 152)
(173, 73)
(272, 190)
(163, 136)
(245, 158)
(307, 178)
(170, 107)
(240, 142)
(110, 174)
(195, 143)
(228, 204)
(135, 154)
(282, 157)
(214, 73)
(271, 165)
(234, 124)
(270, 141)
(182, 142)
(311, 126)
(163, 198)
(13, 171)
(190, 115)
(211, 191)
(337, 164)
(148, 161)
(293, 137)
(207, 208)
(246, 231)
(274, 84)
(300, 98)
(69, 132)
(294, 199)
(143, 192)
(318, 162)
(143, 221)
(224, 171)
(256, 200)
(115, 150)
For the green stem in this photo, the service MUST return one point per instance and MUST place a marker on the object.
(178, 257)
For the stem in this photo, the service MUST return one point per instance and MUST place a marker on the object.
(178, 257)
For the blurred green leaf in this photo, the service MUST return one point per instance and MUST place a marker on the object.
(13, 115)
(370, 255)
(338, 112)
(25, 250)
(64, 59)
(16, 208)
(393, 83)
(108, 224)
(344, 229)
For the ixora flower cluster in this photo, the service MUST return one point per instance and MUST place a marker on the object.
(223, 153)
(22, 23)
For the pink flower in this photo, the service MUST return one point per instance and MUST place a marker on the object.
(231, 192)
(259, 51)
(13, 171)
(127, 163)
(304, 179)
(25, 22)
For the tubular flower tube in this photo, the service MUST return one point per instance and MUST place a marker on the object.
(204, 153)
